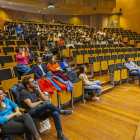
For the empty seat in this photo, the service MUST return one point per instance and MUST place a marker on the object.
(109, 45)
(105, 51)
(130, 49)
(100, 58)
(5, 59)
(32, 48)
(21, 43)
(61, 47)
(114, 57)
(124, 50)
(134, 55)
(98, 51)
(1, 43)
(118, 50)
(120, 56)
(103, 45)
(10, 37)
(115, 45)
(136, 49)
(91, 60)
(127, 55)
(75, 53)
(9, 43)
(138, 62)
(91, 46)
(83, 52)
(84, 46)
(77, 47)
(97, 46)
(8, 49)
(111, 50)
(91, 52)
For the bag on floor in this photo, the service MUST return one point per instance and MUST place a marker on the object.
(43, 126)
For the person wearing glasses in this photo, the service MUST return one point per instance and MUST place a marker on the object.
(29, 99)
(13, 123)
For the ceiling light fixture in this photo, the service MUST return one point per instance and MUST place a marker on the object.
(3, 6)
(79, 11)
(38, 11)
(9, 3)
(75, 14)
(44, 8)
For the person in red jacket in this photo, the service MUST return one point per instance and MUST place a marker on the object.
(60, 42)
(53, 66)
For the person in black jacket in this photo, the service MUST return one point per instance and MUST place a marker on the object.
(32, 36)
(2, 37)
(40, 70)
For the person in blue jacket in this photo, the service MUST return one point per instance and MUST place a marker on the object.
(19, 29)
(65, 64)
(13, 123)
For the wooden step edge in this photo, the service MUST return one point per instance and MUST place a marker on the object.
(105, 83)
(107, 89)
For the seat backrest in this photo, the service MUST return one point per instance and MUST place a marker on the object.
(124, 50)
(103, 45)
(111, 50)
(5, 59)
(91, 60)
(136, 49)
(8, 49)
(127, 55)
(100, 58)
(135, 62)
(111, 68)
(107, 57)
(9, 43)
(118, 66)
(75, 53)
(130, 49)
(114, 57)
(21, 42)
(115, 45)
(133, 55)
(11, 37)
(61, 47)
(97, 46)
(91, 52)
(77, 46)
(138, 62)
(91, 46)
(1, 42)
(83, 52)
(84, 46)
(120, 56)
(32, 48)
(17, 73)
(109, 45)
(117, 50)
(5, 74)
(98, 51)
(105, 51)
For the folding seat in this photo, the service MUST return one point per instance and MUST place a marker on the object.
(114, 74)
(77, 58)
(98, 51)
(130, 49)
(94, 65)
(91, 52)
(32, 48)
(104, 50)
(117, 50)
(124, 50)
(108, 59)
(103, 45)
(123, 72)
(21, 43)
(97, 45)
(138, 63)
(5, 59)
(103, 63)
(84, 46)
(115, 45)
(136, 49)
(77, 47)
(109, 45)
(134, 38)
(127, 55)
(61, 47)
(130, 38)
(120, 56)
(91, 46)
(83, 52)
(86, 55)
(115, 58)
(10, 43)
(2, 43)
(137, 41)
(111, 50)
(133, 55)
(6, 33)
(11, 37)
(8, 49)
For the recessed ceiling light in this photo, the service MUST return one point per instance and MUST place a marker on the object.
(3, 6)
(38, 11)
(44, 8)
(9, 3)
(75, 14)
(79, 11)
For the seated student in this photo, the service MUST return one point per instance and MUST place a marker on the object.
(95, 85)
(60, 42)
(19, 29)
(21, 57)
(13, 123)
(67, 41)
(52, 45)
(39, 108)
(80, 42)
(53, 66)
(134, 70)
(32, 36)
(115, 41)
(104, 41)
(2, 37)
(88, 38)
(86, 42)
(40, 70)
(12, 28)
(46, 54)
(73, 41)
(65, 64)
(56, 37)
(92, 42)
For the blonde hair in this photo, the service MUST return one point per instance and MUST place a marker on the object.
(1, 107)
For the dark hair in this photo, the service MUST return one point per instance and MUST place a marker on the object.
(62, 58)
(126, 58)
(81, 69)
(25, 81)
(50, 59)
(36, 58)
(17, 50)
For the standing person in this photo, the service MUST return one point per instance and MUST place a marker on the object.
(21, 57)
(134, 70)
(40, 108)
(91, 85)
(13, 123)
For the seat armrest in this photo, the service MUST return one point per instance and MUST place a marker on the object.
(22, 109)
